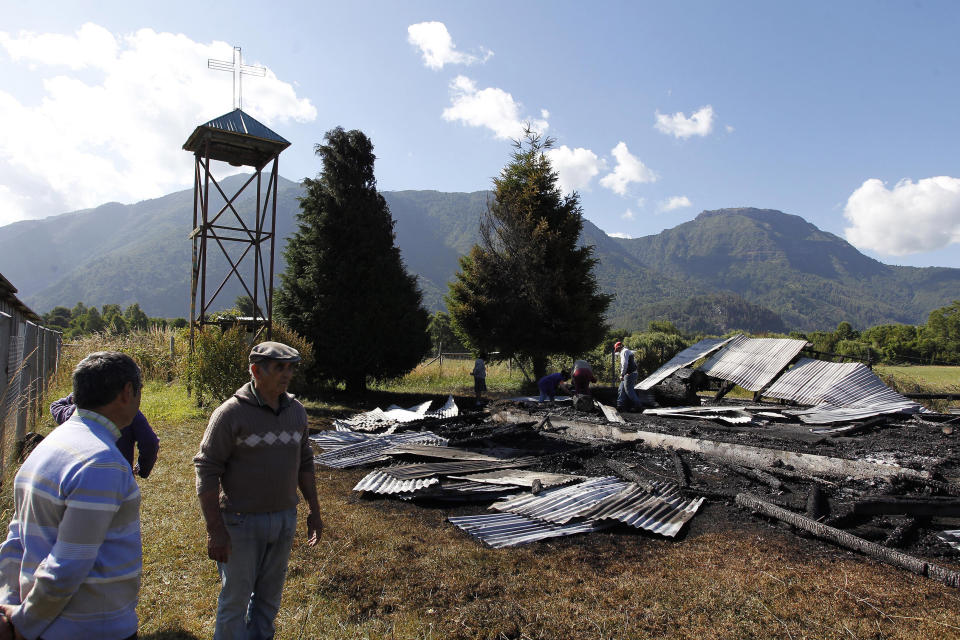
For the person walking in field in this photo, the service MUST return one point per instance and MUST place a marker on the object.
(70, 566)
(253, 457)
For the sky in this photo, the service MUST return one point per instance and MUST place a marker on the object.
(844, 113)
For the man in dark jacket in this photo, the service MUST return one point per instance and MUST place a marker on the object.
(139, 433)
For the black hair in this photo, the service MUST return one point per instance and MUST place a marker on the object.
(100, 377)
(565, 374)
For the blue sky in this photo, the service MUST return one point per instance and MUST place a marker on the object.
(847, 114)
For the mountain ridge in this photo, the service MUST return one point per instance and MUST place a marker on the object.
(737, 268)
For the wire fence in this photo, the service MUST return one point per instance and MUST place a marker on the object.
(29, 355)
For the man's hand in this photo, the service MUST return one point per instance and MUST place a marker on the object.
(218, 545)
(7, 632)
(314, 528)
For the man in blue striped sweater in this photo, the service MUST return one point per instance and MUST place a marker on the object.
(70, 566)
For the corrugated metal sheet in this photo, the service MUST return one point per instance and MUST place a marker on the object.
(374, 449)
(379, 482)
(841, 391)
(446, 453)
(731, 415)
(683, 359)
(522, 478)
(951, 537)
(508, 529)
(448, 410)
(238, 121)
(378, 418)
(562, 504)
(335, 439)
(752, 362)
(410, 471)
(663, 512)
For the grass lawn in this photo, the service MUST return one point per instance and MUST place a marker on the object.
(389, 569)
(932, 379)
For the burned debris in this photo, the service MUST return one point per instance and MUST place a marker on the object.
(823, 448)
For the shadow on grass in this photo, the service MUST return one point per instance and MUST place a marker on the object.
(175, 634)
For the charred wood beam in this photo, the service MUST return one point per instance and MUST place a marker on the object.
(798, 475)
(627, 473)
(899, 536)
(844, 539)
(759, 476)
(949, 488)
(683, 472)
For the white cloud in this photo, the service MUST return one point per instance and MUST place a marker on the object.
(436, 46)
(676, 202)
(629, 169)
(575, 167)
(627, 215)
(118, 137)
(641, 202)
(910, 218)
(492, 108)
(619, 235)
(698, 124)
(730, 128)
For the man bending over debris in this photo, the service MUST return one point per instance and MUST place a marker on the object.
(550, 383)
(582, 376)
(253, 457)
(627, 398)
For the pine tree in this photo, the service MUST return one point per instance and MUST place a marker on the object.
(345, 287)
(528, 288)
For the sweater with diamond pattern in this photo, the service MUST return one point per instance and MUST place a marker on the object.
(254, 454)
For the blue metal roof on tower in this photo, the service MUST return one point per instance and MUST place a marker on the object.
(237, 138)
(238, 121)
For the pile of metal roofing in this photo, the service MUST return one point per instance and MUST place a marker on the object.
(408, 479)
(394, 415)
(838, 392)
(593, 504)
(353, 449)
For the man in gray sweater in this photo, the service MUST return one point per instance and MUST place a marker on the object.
(253, 457)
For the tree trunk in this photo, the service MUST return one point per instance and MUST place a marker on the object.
(356, 383)
(539, 367)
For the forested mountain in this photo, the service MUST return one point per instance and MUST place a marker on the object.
(728, 269)
(812, 278)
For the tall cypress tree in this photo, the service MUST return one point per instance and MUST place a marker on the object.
(528, 288)
(345, 287)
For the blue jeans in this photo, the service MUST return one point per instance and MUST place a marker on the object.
(252, 580)
(626, 392)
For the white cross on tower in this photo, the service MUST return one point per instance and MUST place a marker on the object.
(238, 69)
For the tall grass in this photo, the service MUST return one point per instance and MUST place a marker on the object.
(452, 375)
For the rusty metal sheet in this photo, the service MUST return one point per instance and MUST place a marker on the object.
(522, 478)
(509, 529)
(410, 471)
(841, 391)
(683, 359)
(752, 362)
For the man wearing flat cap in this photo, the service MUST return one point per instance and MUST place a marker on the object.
(253, 457)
